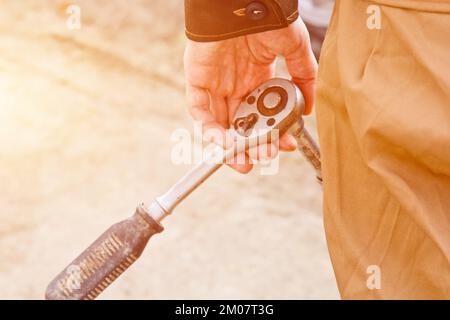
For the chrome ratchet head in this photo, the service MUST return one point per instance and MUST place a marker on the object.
(273, 107)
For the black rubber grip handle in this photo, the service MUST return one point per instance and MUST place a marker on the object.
(105, 260)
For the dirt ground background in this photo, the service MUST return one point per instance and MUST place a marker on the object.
(85, 123)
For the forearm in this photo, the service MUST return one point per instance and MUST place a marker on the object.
(212, 20)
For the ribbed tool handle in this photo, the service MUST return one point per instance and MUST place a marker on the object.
(105, 260)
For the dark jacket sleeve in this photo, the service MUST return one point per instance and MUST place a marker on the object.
(212, 20)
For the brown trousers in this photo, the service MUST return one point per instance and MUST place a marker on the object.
(383, 111)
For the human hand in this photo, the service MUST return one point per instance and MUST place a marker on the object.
(220, 74)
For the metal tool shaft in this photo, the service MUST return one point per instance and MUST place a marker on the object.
(163, 205)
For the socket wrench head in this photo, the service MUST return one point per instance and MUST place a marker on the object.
(273, 107)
